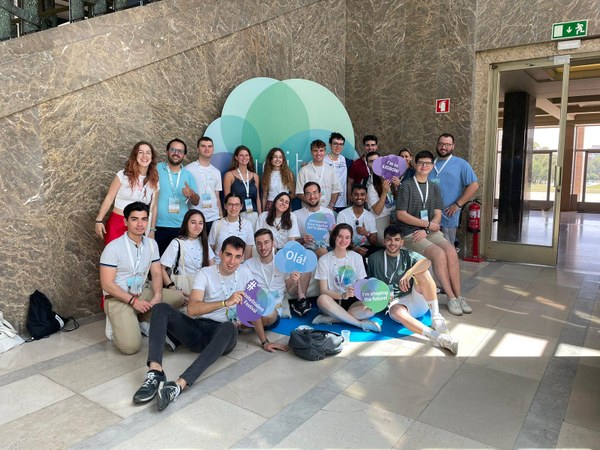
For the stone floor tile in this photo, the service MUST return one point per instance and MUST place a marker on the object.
(482, 404)
(28, 396)
(348, 423)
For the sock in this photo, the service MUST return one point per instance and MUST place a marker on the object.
(433, 307)
(429, 333)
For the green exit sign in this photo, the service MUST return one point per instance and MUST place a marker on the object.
(569, 30)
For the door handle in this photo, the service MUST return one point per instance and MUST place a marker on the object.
(557, 176)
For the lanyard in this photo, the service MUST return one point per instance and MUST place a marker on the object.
(139, 252)
(268, 283)
(336, 266)
(439, 171)
(423, 201)
(226, 291)
(385, 268)
(246, 181)
(320, 178)
(171, 178)
(207, 178)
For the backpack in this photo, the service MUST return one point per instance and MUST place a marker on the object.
(314, 345)
(41, 320)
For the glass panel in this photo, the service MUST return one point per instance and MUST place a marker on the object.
(592, 178)
(527, 148)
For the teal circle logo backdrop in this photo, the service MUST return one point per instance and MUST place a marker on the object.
(262, 113)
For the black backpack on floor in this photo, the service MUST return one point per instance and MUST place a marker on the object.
(314, 345)
(41, 320)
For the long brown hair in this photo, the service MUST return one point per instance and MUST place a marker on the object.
(234, 161)
(286, 217)
(132, 169)
(287, 177)
(185, 234)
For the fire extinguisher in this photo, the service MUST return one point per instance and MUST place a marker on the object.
(474, 223)
(474, 227)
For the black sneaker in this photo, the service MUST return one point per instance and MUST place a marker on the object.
(304, 305)
(169, 392)
(150, 387)
(295, 307)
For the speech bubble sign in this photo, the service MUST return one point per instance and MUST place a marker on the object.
(252, 307)
(375, 294)
(318, 225)
(389, 166)
(293, 257)
(357, 286)
(269, 298)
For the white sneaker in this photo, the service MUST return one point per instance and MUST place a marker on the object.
(145, 328)
(370, 325)
(108, 330)
(438, 323)
(466, 308)
(322, 319)
(447, 341)
(454, 307)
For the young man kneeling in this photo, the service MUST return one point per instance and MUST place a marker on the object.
(398, 267)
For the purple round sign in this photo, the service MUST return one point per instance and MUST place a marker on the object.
(389, 166)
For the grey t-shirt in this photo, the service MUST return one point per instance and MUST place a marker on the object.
(411, 200)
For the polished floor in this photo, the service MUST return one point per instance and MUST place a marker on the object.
(527, 375)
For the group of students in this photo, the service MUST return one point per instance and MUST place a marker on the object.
(211, 242)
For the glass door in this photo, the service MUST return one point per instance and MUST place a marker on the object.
(526, 137)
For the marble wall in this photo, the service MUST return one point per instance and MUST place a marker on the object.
(76, 99)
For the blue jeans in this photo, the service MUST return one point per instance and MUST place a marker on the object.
(209, 338)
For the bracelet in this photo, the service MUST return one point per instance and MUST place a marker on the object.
(172, 283)
(132, 300)
(224, 304)
(262, 344)
(99, 221)
(459, 207)
(152, 229)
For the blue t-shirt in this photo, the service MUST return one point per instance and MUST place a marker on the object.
(171, 187)
(453, 178)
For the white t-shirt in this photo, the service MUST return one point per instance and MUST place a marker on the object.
(335, 270)
(280, 235)
(192, 255)
(222, 229)
(373, 197)
(126, 195)
(324, 175)
(276, 186)
(366, 219)
(130, 260)
(217, 288)
(208, 181)
(268, 277)
(303, 214)
(341, 169)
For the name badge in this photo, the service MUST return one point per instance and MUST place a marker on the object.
(323, 195)
(424, 214)
(435, 180)
(135, 284)
(206, 200)
(173, 205)
(249, 207)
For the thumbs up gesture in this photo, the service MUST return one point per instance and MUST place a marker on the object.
(187, 191)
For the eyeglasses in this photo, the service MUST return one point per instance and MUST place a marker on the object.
(177, 150)
(424, 164)
(337, 144)
(440, 145)
(234, 205)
